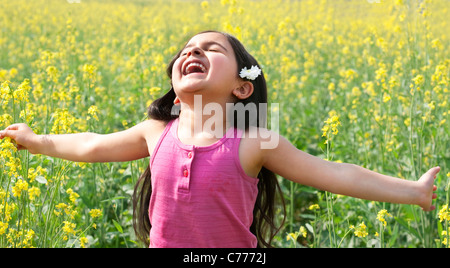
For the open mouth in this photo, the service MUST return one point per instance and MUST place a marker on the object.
(194, 67)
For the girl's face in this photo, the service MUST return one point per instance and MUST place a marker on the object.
(207, 65)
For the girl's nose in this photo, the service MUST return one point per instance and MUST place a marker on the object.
(194, 51)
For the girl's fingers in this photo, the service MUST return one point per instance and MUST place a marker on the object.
(431, 174)
(12, 127)
(3, 134)
(434, 171)
(6, 133)
(9, 131)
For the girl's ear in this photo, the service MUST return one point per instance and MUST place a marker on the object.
(244, 91)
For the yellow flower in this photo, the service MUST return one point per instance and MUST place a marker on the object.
(381, 216)
(331, 126)
(407, 122)
(356, 91)
(314, 207)
(22, 92)
(33, 192)
(89, 73)
(291, 236)
(302, 231)
(3, 227)
(5, 120)
(331, 86)
(5, 93)
(30, 234)
(63, 121)
(360, 230)
(83, 242)
(381, 72)
(20, 186)
(68, 210)
(93, 111)
(205, 4)
(7, 210)
(95, 213)
(294, 236)
(27, 114)
(444, 213)
(72, 195)
(325, 129)
(445, 235)
(14, 165)
(39, 173)
(68, 229)
(59, 208)
(418, 80)
(52, 74)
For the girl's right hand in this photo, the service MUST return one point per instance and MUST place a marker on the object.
(427, 189)
(22, 134)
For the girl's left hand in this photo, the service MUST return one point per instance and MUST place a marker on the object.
(427, 189)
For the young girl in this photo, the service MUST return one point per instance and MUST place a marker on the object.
(209, 189)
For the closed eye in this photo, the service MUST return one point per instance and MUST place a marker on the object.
(207, 46)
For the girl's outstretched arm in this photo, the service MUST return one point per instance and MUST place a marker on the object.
(348, 179)
(127, 145)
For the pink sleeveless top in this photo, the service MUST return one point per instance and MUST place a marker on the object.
(201, 196)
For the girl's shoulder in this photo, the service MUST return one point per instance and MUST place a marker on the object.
(256, 144)
(258, 138)
(152, 126)
(152, 130)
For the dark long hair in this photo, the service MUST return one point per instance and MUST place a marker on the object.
(264, 225)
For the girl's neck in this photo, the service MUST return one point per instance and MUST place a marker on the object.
(202, 124)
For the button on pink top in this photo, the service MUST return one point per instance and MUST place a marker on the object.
(201, 195)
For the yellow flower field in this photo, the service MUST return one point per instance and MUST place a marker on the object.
(364, 82)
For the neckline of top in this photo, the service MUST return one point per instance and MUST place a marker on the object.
(230, 133)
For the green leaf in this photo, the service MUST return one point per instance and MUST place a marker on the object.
(41, 179)
(309, 227)
(114, 198)
(118, 227)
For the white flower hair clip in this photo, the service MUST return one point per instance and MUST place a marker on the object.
(251, 73)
